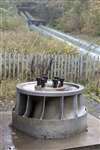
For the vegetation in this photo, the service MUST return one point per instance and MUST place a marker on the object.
(80, 16)
(8, 88)
(9, 22)
(29, 42)
(93, 90)
(41, 9)
(68, 15)
(16, 37)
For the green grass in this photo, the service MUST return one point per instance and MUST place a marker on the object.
(93, 90)
(9, 20)
(24, 41)
(16, 37)
(8, 88)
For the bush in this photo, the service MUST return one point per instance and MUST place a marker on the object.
(29, 42)
(9, 20)
(80, 16)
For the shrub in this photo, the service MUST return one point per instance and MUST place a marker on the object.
(29, 42)
(9, 20)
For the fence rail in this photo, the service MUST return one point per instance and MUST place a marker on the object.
(27, 67)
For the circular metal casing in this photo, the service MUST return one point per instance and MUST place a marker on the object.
(50, 114)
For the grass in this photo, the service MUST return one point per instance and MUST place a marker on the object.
(8, 88)
(7, 94)
(9, 20)
(93, 90)
(29, 42)
(16, 37)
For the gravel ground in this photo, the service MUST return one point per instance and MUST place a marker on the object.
(7, 104)
(92, 106)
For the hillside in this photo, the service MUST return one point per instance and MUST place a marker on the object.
(16, 37)
(80, 16)
(39, 8)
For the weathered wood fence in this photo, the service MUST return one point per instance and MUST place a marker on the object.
(26, 67)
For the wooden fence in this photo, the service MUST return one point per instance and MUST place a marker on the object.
(26, 67)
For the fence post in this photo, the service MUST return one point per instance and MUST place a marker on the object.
(0, 66)
(71, 67)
